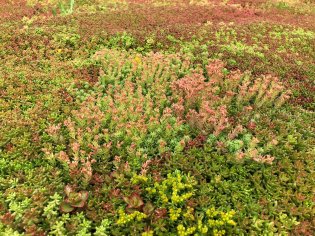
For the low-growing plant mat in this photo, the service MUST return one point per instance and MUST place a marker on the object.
(157, 117)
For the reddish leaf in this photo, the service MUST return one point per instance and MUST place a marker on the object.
(134, 201)
(160, 213)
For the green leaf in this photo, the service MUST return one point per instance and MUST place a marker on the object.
(148, 208)
(81, 199)
(66, 207)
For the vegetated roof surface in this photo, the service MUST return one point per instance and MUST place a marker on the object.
(157, 117)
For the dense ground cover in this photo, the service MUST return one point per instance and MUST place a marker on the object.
(157, 117)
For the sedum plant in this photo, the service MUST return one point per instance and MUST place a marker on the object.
(73, 200)
(210, 103)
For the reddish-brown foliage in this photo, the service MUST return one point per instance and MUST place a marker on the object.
(180, 20)
(17, 9)
(197, 142)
